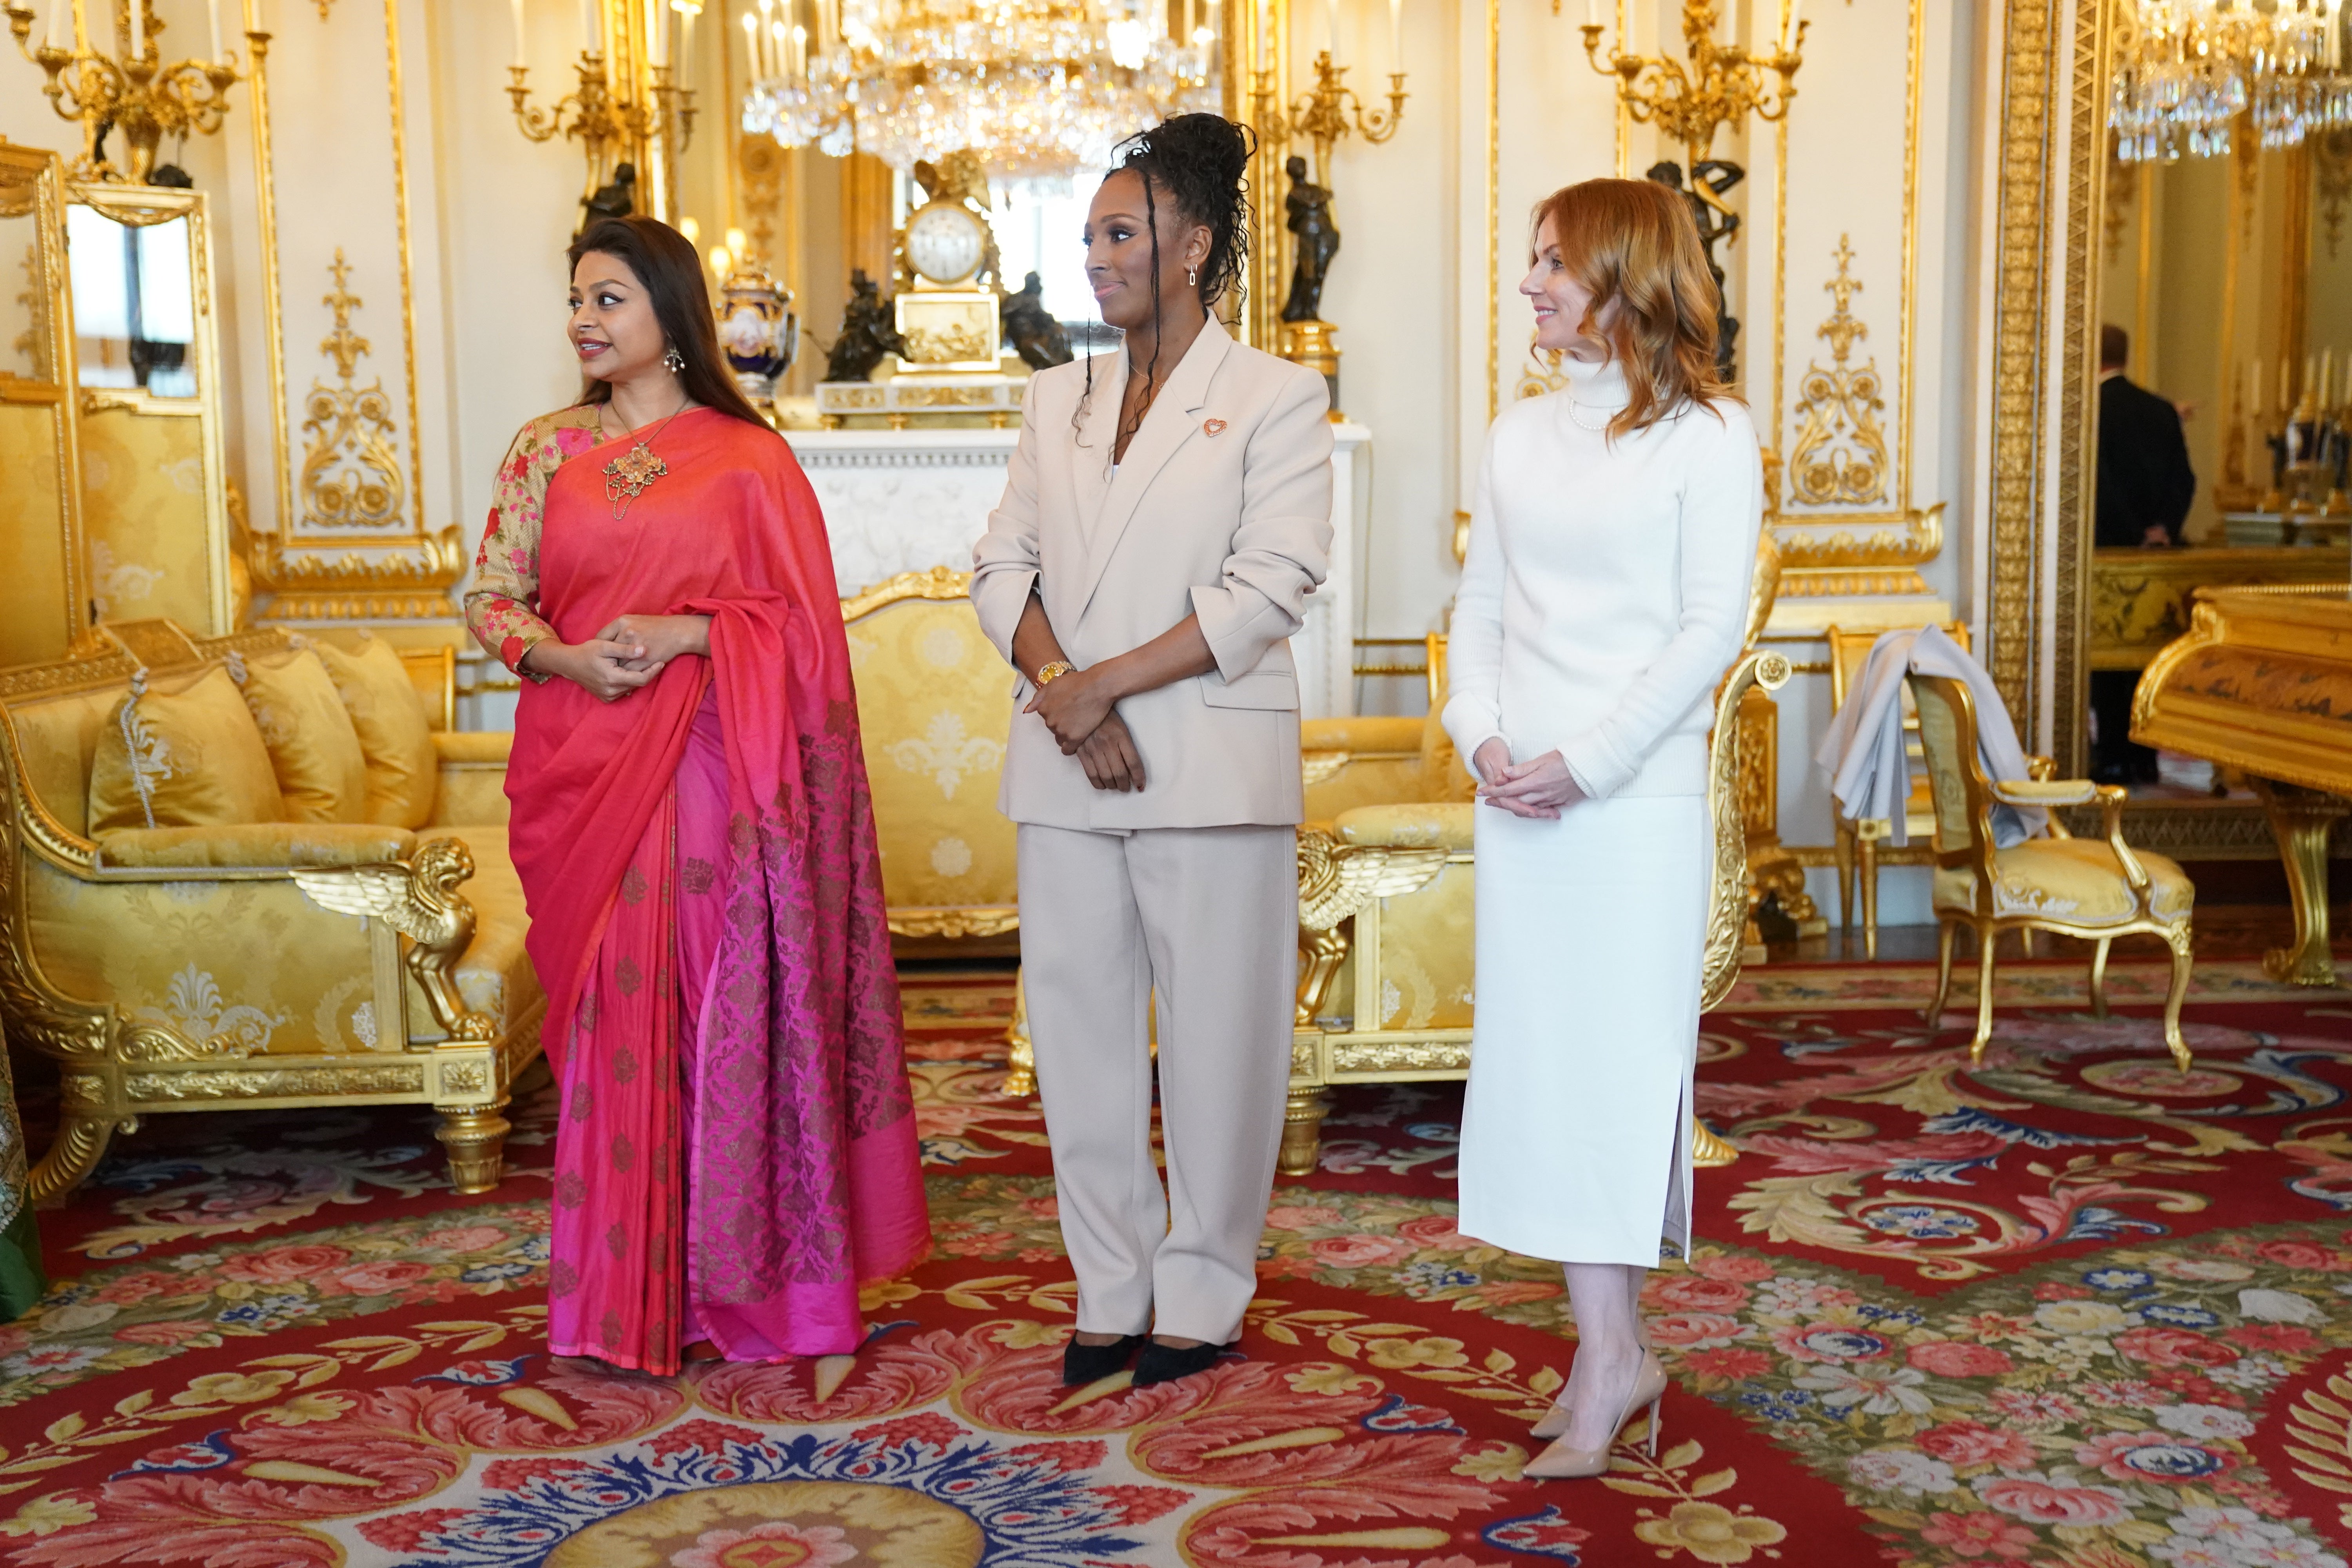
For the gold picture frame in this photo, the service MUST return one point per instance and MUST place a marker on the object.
(44, 597)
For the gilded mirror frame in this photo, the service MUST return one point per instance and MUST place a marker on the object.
(144, 207)
(43, 612)
(2047, 98)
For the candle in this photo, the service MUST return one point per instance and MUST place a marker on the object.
(751, 43)
(800, 52)
(517, 8)
(49, 40)
(138, 27)
(1788, 37)
(686, 16)
(1396, 34)
(1265, 38)
(657, 35)
(212, 18)
(592, 27)
(1332, 11)
(1592, 13)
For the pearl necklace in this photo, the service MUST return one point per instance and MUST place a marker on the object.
(1607, 415)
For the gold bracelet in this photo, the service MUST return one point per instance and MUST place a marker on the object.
(1052, 672)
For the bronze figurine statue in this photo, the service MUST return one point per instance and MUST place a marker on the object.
(1031, 329)
(617, 198)
(1318, 243)
(866, 333)
(1710, 178)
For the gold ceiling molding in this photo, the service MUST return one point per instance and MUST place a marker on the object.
(351, 473)
(1841, 452)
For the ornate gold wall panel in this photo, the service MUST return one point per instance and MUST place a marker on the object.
(1839, 452)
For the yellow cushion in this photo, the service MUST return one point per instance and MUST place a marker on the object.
(312, 745)
(395, 737)
(265, 844)
(57, 740)
(184, 754)
(2076, 881)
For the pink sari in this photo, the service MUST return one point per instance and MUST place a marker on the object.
(737, 1147)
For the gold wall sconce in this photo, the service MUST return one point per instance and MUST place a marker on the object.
(1723, 84)
(1323, 115)
(131, 91)
(628, 105)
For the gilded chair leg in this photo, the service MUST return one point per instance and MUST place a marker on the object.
(1020, 1056)
(1868, 874)
(1948, 935)
(1302, 1133)
(1844, 852)
(2178, 938)
(475, 1138)
(2099, 979)
(1710, 1149)
(1985, 945)
(74, 1152)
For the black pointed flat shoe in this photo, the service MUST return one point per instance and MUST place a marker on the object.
(1165, 1363)
(1082, 1364)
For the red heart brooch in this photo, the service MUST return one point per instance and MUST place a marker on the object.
(1213, 427)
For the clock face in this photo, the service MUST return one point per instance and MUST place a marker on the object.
(945, 242)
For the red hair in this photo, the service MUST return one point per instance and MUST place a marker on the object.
(1633, 241)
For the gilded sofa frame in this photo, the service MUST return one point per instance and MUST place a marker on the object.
(113, 1070)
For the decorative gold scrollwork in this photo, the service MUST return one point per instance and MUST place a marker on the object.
(351, 475)
(1841, 452)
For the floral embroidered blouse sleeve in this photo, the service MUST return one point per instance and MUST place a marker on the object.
(503, 605)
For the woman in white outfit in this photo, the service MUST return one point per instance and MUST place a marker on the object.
(1603, 598)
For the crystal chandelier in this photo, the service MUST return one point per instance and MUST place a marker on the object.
(1039, 89)
(2185, 70)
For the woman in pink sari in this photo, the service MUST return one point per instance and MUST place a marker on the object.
(737, 1146)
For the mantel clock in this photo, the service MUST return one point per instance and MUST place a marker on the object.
(948, 304)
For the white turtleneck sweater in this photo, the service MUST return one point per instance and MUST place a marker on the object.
(1606, 587)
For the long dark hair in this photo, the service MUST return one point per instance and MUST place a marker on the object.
(1199, 162)
(665, 262)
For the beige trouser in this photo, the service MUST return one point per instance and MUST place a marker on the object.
(1207, 916)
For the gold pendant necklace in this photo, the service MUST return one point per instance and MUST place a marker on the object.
(627, 475)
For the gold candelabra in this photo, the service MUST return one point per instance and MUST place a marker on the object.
(1330, 110)
(1722, 85)
(132, 90)
(602, 121)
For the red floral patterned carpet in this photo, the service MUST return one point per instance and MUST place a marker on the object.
(2068, 1308)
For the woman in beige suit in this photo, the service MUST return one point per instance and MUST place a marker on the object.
(1165, 516)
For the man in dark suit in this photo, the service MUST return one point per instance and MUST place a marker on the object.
(2144, 491)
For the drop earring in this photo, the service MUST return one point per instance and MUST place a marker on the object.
(1193, 276)
(674, 362)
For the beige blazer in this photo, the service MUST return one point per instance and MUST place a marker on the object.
(1222, 509)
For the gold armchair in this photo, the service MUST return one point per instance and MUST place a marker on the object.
(2096, 890)
(266, 966)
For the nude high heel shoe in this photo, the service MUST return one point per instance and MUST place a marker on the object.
(1561, 1463)
(1648, 1387)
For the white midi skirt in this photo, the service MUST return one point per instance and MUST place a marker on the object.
(1590, 931)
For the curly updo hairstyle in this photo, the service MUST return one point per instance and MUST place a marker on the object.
(1201, 163)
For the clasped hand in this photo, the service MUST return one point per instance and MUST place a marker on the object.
(1080, 709)
(1541, 787)
(630, 652)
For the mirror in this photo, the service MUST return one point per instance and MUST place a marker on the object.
(42, 593)
(2223, 423)
(154, 488)
(134, 302)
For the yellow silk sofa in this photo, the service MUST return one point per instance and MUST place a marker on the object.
(267, 965)
(934, 704)
(1387, 892)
